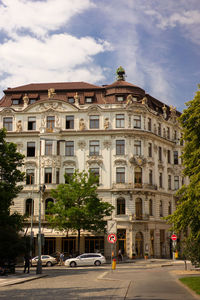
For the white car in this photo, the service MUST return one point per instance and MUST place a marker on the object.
(86, 259)
(47, 260)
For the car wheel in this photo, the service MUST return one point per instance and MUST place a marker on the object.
(48, 264)
(97, 263)
(72, 264)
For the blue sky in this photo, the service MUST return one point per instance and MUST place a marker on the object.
(156, 41)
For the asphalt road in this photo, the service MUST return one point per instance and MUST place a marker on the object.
(128, 281)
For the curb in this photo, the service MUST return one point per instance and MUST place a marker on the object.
(21, 280)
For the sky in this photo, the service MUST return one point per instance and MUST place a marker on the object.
(157, 42)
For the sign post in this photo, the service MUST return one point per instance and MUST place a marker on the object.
(174, 239)
(112, 238)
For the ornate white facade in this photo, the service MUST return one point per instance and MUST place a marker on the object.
(129, 138)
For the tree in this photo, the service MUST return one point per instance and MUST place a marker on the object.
(187, 214)
(77, 206)
(10, 176)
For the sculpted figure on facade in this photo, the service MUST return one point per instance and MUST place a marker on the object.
(51, 93)
(26, 100)
(144, 100)
(129, 99)
(19, 126)
(164, 109)
(76, 98)
(81, 124)
(106, 123)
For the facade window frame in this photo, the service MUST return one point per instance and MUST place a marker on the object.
(137, 147)
(48, 148)
(69, 122)
(120, 147)
(121, 206)
(94, 122)
(48, 175)
(69, 148)
(137, 122)
(94, 147)
(120, 175)
(31, 123)
(30, 149)
(8, 123)
(120, 121)
(30, 176)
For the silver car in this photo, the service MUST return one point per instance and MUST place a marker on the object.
(47, 260)
(86, 259)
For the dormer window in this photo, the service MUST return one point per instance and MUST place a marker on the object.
(15, 101)
(70, 99)
(120, 98)
(89, 97)
(31, 101)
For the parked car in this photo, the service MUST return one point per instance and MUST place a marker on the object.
(47, 260)
(86, 259)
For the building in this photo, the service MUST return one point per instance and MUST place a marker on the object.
(127, 137)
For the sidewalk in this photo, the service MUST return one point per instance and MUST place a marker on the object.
(19, 277)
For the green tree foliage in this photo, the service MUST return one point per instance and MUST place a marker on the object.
(10, 176)
(187, 214)
(77, 206)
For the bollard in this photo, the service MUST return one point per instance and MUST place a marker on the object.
(176, 254)
(114, 264)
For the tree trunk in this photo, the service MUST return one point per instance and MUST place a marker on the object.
(79, 238)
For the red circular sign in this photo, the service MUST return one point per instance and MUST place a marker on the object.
(112, 238)
(173, 237)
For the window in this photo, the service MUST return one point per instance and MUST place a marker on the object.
(137, 148)
(47, 203)
(150, 149)
(29, 207)
(137, 121)
(71, 99)
(150, 207)
(168, 133)
(149, 124)
(120, 175)
(68, 173)
(50, 123)
(30, 176)
(159, 153)
(31, 123)
(48, 147)
(159, 129)
(69, 122)
(169, 182)
(161, 208)
(15, 101)
(160, 180)
(48, 175)
(57, 176)
(138, 177)
(8, 123)
(120, 147)
(94, 122)
(94, 148)
(69, 148)
(88, 99)
(119, 121)
(176, 157)
(150, 177)
(31, 101)
(169, 208)
(138, 208)
(120, 98)
(31, 149)
(176, 182)
(175, 135)
(121, 206)
(95, 172)
(58, 147)
(169, 156)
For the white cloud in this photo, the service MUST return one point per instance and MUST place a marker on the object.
(38, 17)
(55, 58)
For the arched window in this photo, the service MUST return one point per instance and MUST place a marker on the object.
(138, 177)
(121, 206)
(138, 208)
(150, 207)
(47, 201)
(161, 208)
(29, 204)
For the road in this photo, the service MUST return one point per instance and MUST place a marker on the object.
(128, 281)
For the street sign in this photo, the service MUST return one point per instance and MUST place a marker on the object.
(112, 238)
(173, 237)
(111, 226)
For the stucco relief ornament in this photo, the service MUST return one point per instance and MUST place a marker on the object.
(19, 126)
(57, 121)
(81, 124)
(107, 144)
(129, 99)
(106, 123)
(51, 93)
(173, 113)
(81, 144)
(26, 100)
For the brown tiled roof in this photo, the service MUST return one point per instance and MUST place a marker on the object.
(56, 86)
(16, 96)
(121, 83)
